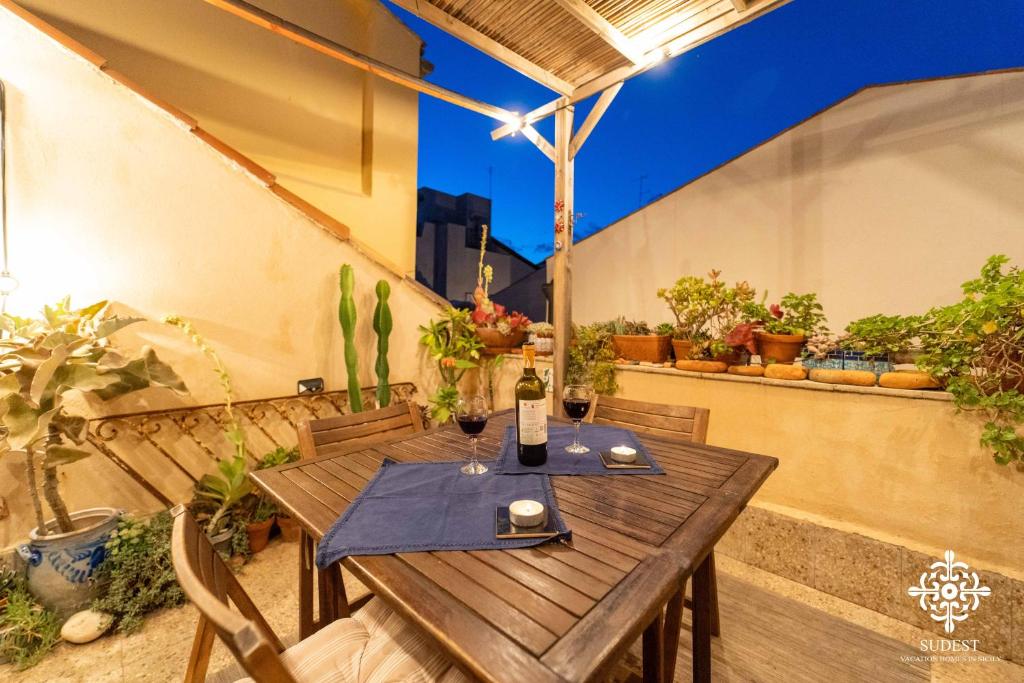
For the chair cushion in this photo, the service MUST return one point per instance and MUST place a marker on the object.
(374, 646)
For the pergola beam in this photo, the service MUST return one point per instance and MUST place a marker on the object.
(593, 20)
(467, 34)
(534, 136)
(286, 29)
(740, 5)
(600, 107)
(707, 25)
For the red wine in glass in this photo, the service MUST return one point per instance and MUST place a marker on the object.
(471, 425)
(576, 408)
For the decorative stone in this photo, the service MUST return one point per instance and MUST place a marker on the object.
(701, 365)
(859, 378)
(747, 370)
(783, 371)
(908, 379)
(85, 626)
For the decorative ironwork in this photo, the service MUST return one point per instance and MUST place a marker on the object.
(190, 439)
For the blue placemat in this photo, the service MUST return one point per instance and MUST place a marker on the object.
(417, 507)
(596, 437)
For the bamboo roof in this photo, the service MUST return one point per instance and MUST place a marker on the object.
(579, 47)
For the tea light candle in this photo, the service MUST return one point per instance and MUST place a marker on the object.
(623, 454)
(526, 513)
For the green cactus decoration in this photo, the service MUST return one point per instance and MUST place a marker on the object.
(382, 325)
(347, 318)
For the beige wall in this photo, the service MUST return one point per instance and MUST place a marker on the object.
(110, 197)
(885, 203)
(903, 470)
(342, 140)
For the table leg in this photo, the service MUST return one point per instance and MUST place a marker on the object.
(702, 592)
(654, 650)
(716, 626)
(305, 585)
(673, 620)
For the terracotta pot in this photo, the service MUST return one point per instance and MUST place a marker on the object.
(649, 348)
(495, 340)
(779, 348)
(734, 357)
(682, 348)
(290, 529)
(259, 534)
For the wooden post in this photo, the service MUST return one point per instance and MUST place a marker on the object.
(562, 275)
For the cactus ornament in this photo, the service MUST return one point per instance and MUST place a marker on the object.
(347, 318)
(382, 325)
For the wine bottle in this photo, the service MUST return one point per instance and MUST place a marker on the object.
(531, 413)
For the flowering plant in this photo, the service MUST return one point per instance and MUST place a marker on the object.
(490, 314)
(796, 314)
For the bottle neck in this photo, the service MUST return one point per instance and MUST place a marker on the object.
(529, 371)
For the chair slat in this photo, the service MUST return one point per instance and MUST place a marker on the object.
(653, 418)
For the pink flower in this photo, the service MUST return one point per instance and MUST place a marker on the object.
(776, 310)
(480, 316)
(499, 310)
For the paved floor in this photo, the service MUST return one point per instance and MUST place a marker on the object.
(773, 630)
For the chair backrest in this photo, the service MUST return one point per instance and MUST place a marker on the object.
(346, 433)
(657, 419)
(224, 608)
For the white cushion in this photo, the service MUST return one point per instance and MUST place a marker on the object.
(374, 646)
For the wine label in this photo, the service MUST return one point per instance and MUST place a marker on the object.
(533, 422)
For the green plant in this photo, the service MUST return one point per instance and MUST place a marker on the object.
(278, 456)
(591, 358)
(382, 325)
(621, 326)
(490, 368)
(28, 631)
(452, 343)
(225, 490)
(40, 361)
(542, 329)
(665, 329)
(976, 348)
(233, 429)
(706, 310)
(347, 318)
(799, 314)
(138, 572)
(881, 335)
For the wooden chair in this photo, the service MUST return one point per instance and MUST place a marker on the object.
(380, 641)
(337, 436)
(659, 419)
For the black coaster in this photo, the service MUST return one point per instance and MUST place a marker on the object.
(641, 462)
(504, 528)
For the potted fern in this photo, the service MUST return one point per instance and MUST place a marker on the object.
(42, 360)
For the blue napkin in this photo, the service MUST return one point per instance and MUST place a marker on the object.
(417, 507)
(596, 437)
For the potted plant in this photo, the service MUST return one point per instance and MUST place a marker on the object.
(41, 360)
(288, 527)
(218, 499)
(453, 344)
(259, 520)
(706, 311)
(542, 335)
(975, 348)
(636, 341)
(499, 330)
(872, 343)
(783, 328)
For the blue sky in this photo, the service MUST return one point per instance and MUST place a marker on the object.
(696, 111)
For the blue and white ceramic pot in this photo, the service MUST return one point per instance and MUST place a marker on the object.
(61, 566)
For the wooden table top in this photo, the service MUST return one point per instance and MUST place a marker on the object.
(553, 612)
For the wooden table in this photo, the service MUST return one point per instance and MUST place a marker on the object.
(553, 612)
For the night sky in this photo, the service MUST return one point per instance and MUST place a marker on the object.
(690, 114)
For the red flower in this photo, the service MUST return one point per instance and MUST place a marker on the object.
(480, 316)
(776, 311)
(499, 311)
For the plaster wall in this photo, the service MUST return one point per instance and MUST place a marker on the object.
(340, 139)
(884, 203)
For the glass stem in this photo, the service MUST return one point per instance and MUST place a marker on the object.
(474, 451)
(576, 443)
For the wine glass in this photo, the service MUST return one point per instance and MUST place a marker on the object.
(471, 414)
(576, 400)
